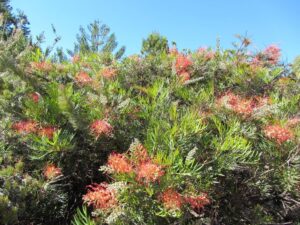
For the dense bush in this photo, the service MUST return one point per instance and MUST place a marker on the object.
(167, 137)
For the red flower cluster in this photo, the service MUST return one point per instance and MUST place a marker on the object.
(101, 196)
(82, 78)
(42, 66)
(148, 172)
(119, 163)
(241, 105)
(272, 54)
(25, 127)
(101, 127)
(51, 171)
(278, 133)
(35, 97)
(108, 72)
(182, 65)
(171, 199)
(197, 202)
(29, 126)
(47, 131)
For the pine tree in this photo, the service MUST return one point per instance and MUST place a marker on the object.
(97, 38)
(155, 44)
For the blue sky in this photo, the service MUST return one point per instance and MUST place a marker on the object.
(190, 23)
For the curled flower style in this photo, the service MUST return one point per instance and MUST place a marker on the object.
(100, 196)
(119, 163)
(82, 78)
(101, 127)
(51, 171)
(278, 133)
(148, 172)
(171, 199)
(25, 127)
(197, 202)
(182, 64)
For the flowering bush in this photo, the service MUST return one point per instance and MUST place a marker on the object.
(166, 137)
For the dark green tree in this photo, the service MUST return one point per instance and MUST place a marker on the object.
(97, 38)
(11, 21)
(155, 44)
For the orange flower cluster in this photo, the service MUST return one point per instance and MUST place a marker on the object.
(100, 127)
(171, 199)
(182, 65)
(141, 164)
(241, 105)
(25, 127)
(119, 163)
(51, 171)
(29, 126)
(108, 72)
(35, 97)
(100, 196)
(278, 133)
(197, 202)
(82, 78)
(42, 66)
(47, 131)
(148, 172)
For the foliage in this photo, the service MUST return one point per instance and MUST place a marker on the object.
(166, 137)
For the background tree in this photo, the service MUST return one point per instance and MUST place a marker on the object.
(97, 38)
(155, 44)
(11, 21)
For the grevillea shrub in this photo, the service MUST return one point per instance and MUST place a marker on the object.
(203, 137)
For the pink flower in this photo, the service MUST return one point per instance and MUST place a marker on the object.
(272, 54)
(293, 122)
(208, 54)
(183, 77)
